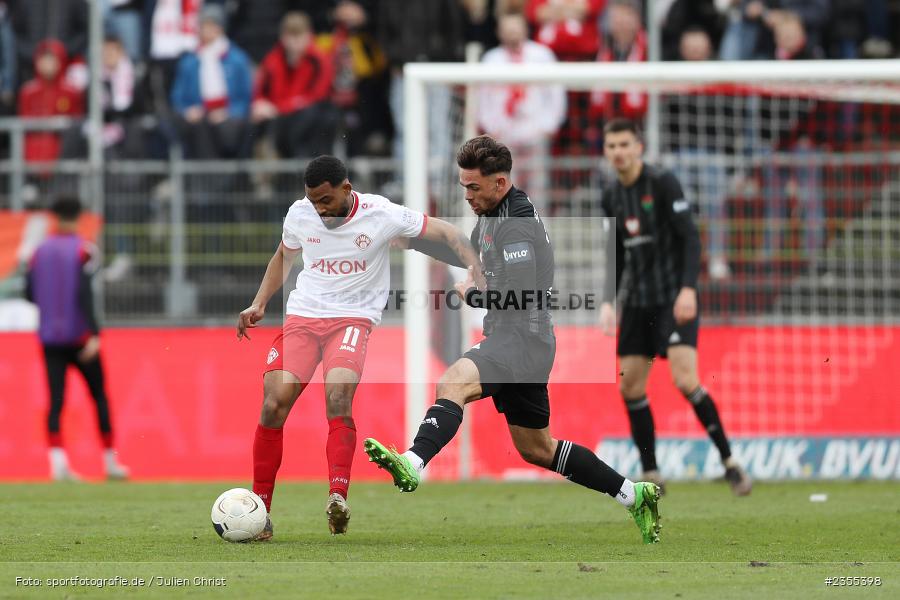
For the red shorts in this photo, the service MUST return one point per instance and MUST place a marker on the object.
(305, 341)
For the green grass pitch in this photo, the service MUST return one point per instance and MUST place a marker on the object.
(472, 540)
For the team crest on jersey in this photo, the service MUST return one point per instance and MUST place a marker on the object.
(273, 354)
(633, 225)
(363, 241)
(647, 202)
(486, 242)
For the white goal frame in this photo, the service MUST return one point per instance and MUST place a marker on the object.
(578, 76)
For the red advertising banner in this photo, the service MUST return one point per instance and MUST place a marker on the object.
(185, 402)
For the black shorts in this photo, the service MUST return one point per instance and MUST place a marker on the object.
(650, 331)
(514, 367)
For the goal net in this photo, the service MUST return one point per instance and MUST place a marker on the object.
(792, 171)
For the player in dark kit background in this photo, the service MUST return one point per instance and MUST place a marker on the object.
(512, 363)
(658, 242)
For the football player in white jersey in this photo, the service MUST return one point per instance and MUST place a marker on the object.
(344, 239)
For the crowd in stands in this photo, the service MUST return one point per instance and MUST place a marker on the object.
(219, 76)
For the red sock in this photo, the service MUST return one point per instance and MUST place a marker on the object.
(54, 439)
(107, 440)
(339, 449)
(267, 447)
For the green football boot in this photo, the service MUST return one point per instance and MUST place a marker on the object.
(405, 475)
(646, 510)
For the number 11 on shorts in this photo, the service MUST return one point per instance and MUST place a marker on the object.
(351, 336)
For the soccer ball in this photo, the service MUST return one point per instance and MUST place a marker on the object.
(238, 515)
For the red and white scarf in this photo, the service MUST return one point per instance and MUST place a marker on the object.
(174, 28)
(632, 103)
(213, 88)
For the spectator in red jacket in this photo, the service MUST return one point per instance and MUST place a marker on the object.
(626, 41)
(48, 95)
(292, 92)
(568, 27)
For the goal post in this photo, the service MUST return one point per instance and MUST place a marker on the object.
(851, 82)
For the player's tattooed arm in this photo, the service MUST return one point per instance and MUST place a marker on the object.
(449, 244)
(276, 274)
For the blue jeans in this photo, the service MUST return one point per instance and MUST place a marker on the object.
(878, 19)
(128, 26)
(739, 40)
(703, 176)
(807, 174)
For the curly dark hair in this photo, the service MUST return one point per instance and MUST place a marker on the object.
(485, 154)
(323, 169)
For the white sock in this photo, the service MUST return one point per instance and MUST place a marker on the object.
(417, 462)
(58, 460)
(626, 495)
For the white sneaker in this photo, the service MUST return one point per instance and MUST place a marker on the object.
(114, 469)
(66, 474)
(338, 512)
(59, 466)
(117, 472)
(718, 268)
(119, 268)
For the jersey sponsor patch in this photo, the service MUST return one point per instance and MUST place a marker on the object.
(339, 267)
(680, 205)
(516, 253)
(273, 354)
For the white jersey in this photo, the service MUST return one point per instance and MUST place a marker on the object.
(346, 270)
(521, 114)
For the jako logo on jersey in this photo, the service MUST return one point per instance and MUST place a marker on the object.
(273, 354)
(313, 240)
(347, 348)
(363, 241)
(633, 225)
(339, 267)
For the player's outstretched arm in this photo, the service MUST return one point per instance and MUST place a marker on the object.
(441, 232)
(276, 274)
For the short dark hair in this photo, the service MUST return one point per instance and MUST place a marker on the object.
(323, 169)
(66, 208)
(485, 154)
(112, 37)
(632, 4)
(620, 124)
